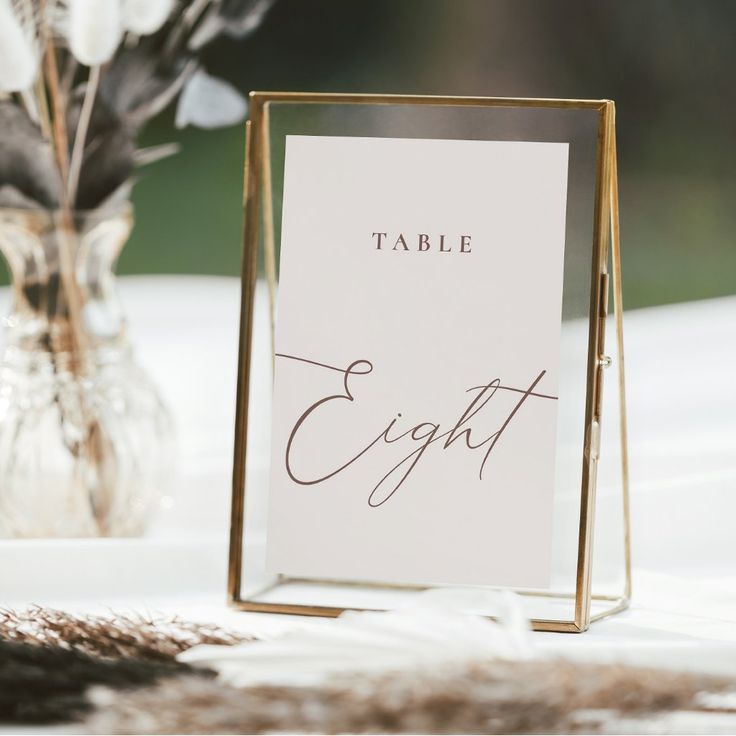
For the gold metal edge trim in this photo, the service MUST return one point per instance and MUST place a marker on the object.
(618, 308)
(538, 624)
(417, 587)
(237, 499)
(621, 606)
(248, 278)
(601, 224)
(269, 244)
(448, 100)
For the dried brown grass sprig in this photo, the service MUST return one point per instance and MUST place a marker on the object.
(497, 697)
(147, 638)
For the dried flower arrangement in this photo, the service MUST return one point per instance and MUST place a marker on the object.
(79, 79)
(68, 134)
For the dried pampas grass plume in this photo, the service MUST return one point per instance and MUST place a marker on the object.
(495, 697)
(19, 55)
(157, 638)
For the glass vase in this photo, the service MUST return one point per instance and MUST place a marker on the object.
(85, 440)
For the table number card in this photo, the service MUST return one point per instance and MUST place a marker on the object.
(415, 394)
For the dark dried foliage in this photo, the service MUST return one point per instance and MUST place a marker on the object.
(44, 684)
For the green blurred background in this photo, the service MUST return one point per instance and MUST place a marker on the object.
(668, 64)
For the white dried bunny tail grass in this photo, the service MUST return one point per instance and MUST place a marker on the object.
(19, 47)
(143, 17)
(93, 29)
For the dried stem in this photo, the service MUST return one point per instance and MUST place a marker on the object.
(67, 76)
(69, 336)
(186, 22)
(67, 230)
(43, 107)
(146, 156)
(80, 137)
(61, 141)
(31, 106)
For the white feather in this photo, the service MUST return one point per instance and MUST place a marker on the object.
(94, 29)
(18, 52)
(143, 17)
(426, 636)
(208, 102)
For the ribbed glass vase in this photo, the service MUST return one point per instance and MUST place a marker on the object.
(85, 440)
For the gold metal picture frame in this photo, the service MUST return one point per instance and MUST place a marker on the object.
(259, 228)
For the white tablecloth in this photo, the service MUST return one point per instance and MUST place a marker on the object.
(682, 414)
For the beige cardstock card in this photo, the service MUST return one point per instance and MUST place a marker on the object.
(417, 357)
